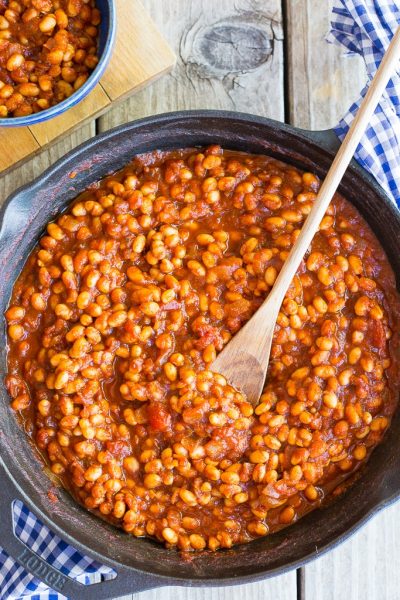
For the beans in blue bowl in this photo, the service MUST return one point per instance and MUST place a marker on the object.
(48, 49)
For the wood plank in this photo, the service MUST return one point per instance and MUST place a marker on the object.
(278, 588)
(15, 145)
(140, 55)
(323, 83)
(230, 56)
(34, 166)
(366, 566)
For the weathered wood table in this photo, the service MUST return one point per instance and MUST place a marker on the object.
(266, 57)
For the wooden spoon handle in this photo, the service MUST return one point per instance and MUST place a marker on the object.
(244, 361)
(338, 168)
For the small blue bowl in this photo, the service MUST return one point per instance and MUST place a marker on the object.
(106, 43)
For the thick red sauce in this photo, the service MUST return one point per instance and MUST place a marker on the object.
(123, 306)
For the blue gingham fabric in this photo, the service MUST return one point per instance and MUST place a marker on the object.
(366, 27)
(16, 583)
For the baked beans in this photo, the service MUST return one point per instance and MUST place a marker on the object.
(48, 48)
(125, 303)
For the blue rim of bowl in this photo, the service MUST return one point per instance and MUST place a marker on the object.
(83, 91)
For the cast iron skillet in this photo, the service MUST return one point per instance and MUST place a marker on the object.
(140, 563)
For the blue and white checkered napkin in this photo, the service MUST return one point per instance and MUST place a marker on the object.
(366, 27)
(16, 583)
(362, 26)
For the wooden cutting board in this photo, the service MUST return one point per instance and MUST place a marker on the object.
(140, 56)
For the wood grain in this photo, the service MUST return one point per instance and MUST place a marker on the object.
(42, 160)
(229, 56)
(365, 567)
(322, 82)
(140, 54)
(278, 588)
(14, 146)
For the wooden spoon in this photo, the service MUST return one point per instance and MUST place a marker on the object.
(244, 361)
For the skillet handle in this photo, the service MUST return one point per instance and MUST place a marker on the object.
(323, 137)
(127, 581)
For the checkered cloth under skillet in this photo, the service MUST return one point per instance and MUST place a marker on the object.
(366, 27)
(16, 583)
